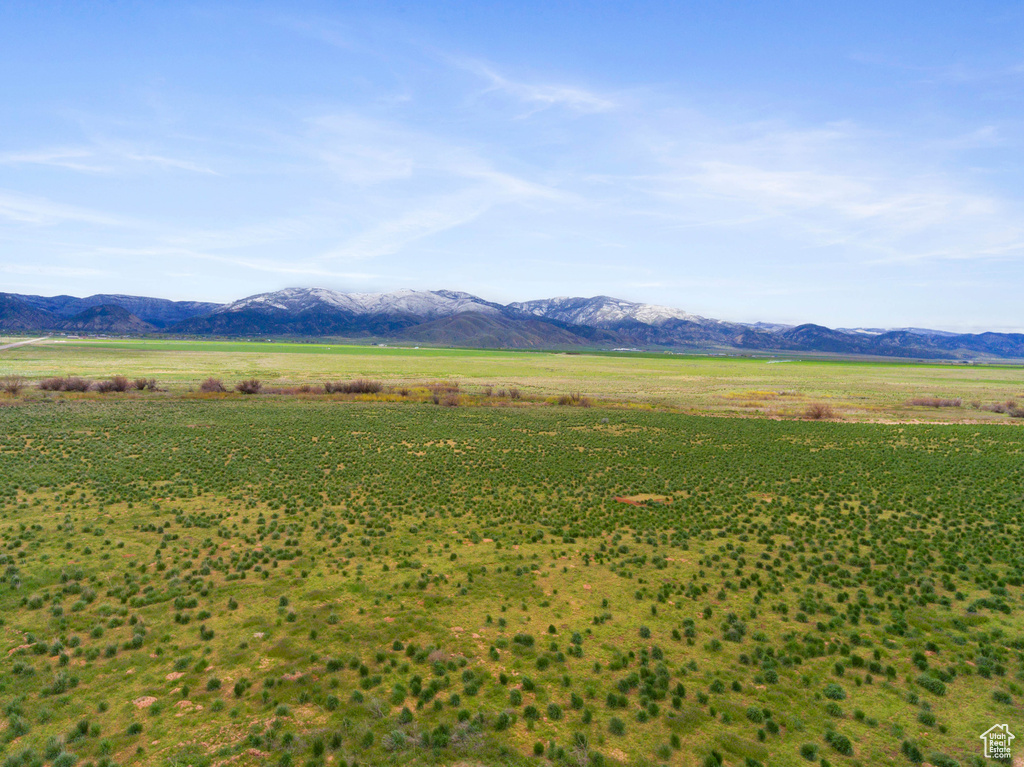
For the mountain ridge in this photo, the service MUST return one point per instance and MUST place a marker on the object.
(448, 317)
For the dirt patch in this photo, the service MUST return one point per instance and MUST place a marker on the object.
(641, 498)
(174, 675)
(144, 702)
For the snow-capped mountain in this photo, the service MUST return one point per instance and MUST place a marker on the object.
(456, 318)
(419, 303)
(603, 311)
(880, 331)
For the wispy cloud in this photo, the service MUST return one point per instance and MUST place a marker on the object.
(538, 95)
(827, 186)
(432, 184)
(298, 268)
(71, 158)
(52, 271)
(102, 157)
(903, 219)
(392, 236)
(40, 211)
(169, 162)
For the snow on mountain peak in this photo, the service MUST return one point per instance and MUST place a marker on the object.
(421, 303)
(602, 311)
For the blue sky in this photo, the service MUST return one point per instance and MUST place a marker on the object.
(854, 164)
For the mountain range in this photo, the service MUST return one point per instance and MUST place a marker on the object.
(453, 318)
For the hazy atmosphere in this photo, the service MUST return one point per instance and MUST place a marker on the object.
(849, 165)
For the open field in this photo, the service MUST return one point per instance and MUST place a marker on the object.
(276, 580)
(760, 386)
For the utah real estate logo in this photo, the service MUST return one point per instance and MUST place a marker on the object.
(997, 741)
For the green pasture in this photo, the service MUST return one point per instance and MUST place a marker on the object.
(274, 580)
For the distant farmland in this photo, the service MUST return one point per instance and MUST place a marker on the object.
(767, 386)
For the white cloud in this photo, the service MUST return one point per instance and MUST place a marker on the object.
(40, 211)
(834, 185)
(391, 236)
(106, 157)
(169, 162)
(253, 264)
(540, 95)
(70, 158)
(52, 271)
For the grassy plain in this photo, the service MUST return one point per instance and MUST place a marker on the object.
(312, 580)
(275, 580)
(859, 390)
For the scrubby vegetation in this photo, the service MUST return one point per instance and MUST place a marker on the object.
(261, 580)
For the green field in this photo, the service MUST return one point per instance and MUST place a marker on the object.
(302, 581)
(783, 387)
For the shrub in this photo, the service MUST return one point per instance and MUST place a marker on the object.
(819, 411)
(931, 684)
(117, 383)
(935, 402)
(358, 386)
(1009, 408)
(912, 752)
(840, 743)
(252, 386)
(12, 384)
(834, 692)
(809, 751)
(212, 385)
(616, 726)
(70, 383)
(75, 383)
